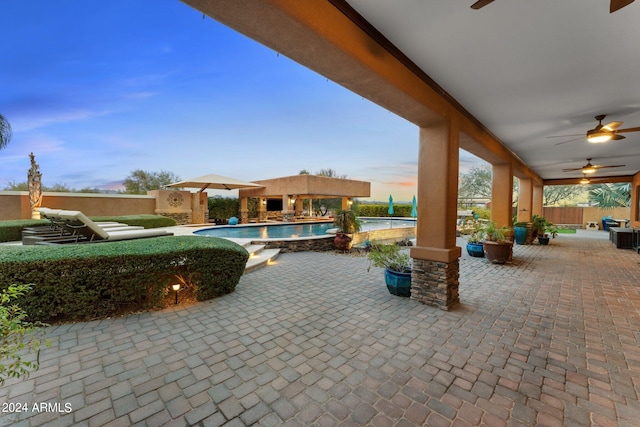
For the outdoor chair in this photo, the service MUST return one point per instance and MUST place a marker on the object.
(79, 224)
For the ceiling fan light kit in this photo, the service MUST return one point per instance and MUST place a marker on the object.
(597, 137)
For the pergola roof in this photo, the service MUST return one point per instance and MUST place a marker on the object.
(308, 186)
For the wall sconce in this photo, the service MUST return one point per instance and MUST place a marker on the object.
(293, 199)
(176, 288)
(349, 202)
(264, 201)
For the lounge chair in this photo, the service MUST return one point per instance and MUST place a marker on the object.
(79, 224)
(78, 228)
(60, 230)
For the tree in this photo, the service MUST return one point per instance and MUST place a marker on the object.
(476, 183)
(556, 193)
(139, 181)
(5, 132)
(610, 195)
(331, 173)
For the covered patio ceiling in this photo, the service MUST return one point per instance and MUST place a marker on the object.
(516, 71)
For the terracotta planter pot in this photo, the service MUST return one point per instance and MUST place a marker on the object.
(342, 242)
(497, 252)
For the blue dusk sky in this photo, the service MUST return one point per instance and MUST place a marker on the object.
(97, 89)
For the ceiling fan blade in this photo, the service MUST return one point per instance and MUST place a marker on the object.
(604, 167)
(619, 4)
(617, 137)
(574, 139)
(612, 126)
(482, 3)
(571, 169)
(565, 136)
(628, 130)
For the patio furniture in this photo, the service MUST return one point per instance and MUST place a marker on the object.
(622, 238)
(85, 230)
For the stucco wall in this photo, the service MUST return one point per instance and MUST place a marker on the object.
(15, 204)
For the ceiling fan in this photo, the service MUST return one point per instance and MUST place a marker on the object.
(600, 133)
(590, 168)
(613, 6)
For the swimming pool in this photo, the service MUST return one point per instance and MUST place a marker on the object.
(295, 231)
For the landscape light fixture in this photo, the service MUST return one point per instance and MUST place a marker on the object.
(176, 288)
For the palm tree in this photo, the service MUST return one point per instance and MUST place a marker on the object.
(611, 195)
(5, 132)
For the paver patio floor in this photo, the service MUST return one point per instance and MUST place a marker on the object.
(551, 339)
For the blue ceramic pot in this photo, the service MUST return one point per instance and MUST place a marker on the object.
(475, 249)
(521, 234)
(398, 283)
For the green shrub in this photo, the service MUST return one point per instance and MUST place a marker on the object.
(96, 280)
(223, 207)
(381, 210)
(11, 231)
(145, 220)
(17, 335)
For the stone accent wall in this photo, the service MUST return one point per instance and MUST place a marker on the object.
(385, 235)
(180, 218)
(322, 244)
(435, 283)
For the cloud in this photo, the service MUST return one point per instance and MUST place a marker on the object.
(35, 119)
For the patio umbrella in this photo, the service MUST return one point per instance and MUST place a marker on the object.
(414, 207)
(214, 181)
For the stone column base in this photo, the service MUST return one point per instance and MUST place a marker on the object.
(244, 217)
(287, 216)
(435, 283)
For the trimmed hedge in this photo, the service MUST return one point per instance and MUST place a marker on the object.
(11, 231)
(97, 280)
(145, 220)
(382, 210)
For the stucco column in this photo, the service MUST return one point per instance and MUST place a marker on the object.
(525, 199)
(346, 205)
(502, 194)
(435, 275)
(298, 206)
(244, 210)
(538, 197)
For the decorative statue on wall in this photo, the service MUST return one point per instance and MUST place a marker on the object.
(35, 187)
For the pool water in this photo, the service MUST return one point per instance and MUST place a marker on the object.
(292, 231)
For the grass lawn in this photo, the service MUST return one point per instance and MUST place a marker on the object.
(566, 231)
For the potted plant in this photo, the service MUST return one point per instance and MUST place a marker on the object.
(544, 239)
(496, 247)
(347, 224)
(474, 242)
(539, 225)
(397, 267)
(521, 230)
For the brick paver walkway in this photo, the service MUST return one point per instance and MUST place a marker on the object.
(551, 339)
